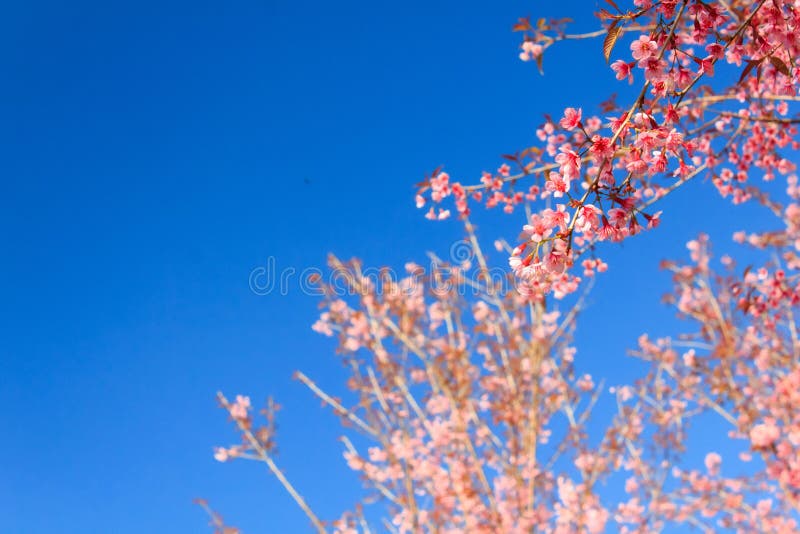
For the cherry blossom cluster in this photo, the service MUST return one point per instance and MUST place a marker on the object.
(469, 414)
(605, 173)
(742, 367)
(465, 411)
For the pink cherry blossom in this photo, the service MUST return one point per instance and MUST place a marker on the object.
(465, 382)
(764, 435)
(571, 119)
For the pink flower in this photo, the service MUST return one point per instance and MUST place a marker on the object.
(240, 407)
(643, 48)
(323, 326)
(713, 461)
(596, 519)
(715, 50)
(572, 118)
(764, 435)
(481, 311)
(530, 50)
(221, 454)
(623, 70)
(352, 344)
(707, 66)
(557, 259)
(440, 187)
(585, 383)
(608, 231)
(557, 184)
(538, 228)
(618, 217)
(588, 218)
(353, 461)
(570, 163)
(601, 148)
(556, 218)
(654, 69)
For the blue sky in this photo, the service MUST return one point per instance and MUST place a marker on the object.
(155, 153)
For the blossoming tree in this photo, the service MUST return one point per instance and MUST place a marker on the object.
(465, 413)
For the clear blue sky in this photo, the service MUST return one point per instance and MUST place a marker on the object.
(154, 153)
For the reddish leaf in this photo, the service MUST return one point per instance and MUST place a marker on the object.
(610, 104)
(780, 66)
(524, 24)
(613, 34)
(751, 64)
(604, 14)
